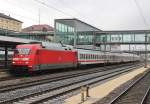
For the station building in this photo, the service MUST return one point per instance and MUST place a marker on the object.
(12, 27)
(82, 35)
(74, 32)
(9, 23)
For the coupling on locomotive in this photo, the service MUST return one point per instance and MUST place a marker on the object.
(36, 56)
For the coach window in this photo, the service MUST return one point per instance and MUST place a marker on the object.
(81, 56)
(84, 56)
(87, 56)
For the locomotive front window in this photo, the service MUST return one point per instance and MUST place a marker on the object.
(24, 51)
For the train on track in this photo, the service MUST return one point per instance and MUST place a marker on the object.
(36, 56)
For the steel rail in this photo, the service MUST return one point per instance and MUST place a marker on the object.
(47, 80)
(76, 86)
(128, 88)
(146, 96)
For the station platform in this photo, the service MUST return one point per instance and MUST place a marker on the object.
(4, 73)
(104, 89)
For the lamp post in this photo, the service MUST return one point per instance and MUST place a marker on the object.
(145, 50)
(133, 54)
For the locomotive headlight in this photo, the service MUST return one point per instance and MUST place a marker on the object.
(15, 59)
(26, 62)
(13, 62)
(25, 59)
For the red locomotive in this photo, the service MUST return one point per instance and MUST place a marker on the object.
(33, 57)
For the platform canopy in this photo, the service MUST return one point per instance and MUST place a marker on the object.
(6, 41)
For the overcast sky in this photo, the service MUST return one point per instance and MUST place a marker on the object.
(103, 14)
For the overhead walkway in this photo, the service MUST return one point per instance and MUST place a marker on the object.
(135, 37)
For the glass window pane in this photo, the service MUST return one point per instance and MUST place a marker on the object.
(140, 38)
(127, 38)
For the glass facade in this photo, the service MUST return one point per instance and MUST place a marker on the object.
(140, 38)
(109, 40)
(65, 33)
(62, 28)
(78, 33)
(85, 38)
(128, 38)
(122, 37)
(73, 32)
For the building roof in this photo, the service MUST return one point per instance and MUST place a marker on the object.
(41, 27)
(8, 17)
(123, 31)
(81, 22)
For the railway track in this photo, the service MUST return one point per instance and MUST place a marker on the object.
(42, 92)
(27, 82)
(136, 93)
(146, 98)
(5, 75)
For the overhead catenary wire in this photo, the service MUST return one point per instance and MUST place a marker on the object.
(68, 6)
(141, 13)
(54, 8)
(62, 12)
(146, 24)
(25, 16)
(79, 13)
